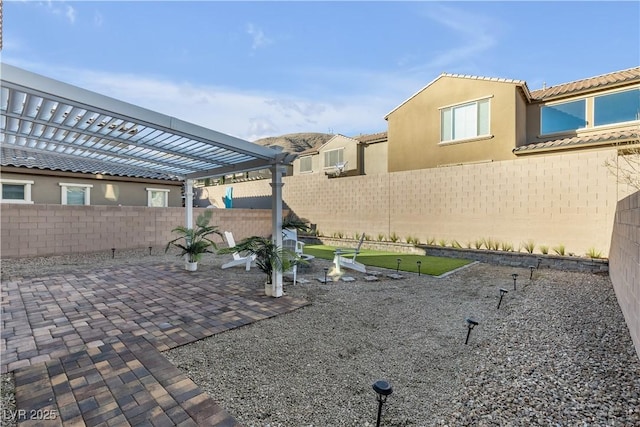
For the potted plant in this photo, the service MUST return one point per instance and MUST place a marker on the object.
(269, 257)
(194, 242)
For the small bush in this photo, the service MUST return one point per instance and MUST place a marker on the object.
(478, 243)
(529, 246)
(357, 236)
(559, 250)
(394, 237)
(594, 253)
(416, 241)
(408, 239)
(380, 237)
(455, 244)
(431, 241)
(492, 245)
(367, 237)
(506, 246)
(544, 249)
(442, 242)
(340, 234)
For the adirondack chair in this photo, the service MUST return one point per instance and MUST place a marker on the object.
(238, 259)
(346, 257)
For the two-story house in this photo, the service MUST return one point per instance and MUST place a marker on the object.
(458, 119)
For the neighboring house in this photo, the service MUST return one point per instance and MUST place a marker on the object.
(345, 156)
(458, 119)
(30, 176)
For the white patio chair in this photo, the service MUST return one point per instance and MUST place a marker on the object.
(238, 259)
(290, 242)
(346, 257)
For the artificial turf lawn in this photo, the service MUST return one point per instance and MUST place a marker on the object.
(431, 265)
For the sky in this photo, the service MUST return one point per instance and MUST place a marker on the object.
(259, 69)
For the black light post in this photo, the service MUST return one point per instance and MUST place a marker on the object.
(325, 274)
(502, 292)
(113, 253)
(419, 264)
(470, 324)
(531, 268)
(150, 250)
(382, 389)
(399, 260)
(539, 262)
(515, 276)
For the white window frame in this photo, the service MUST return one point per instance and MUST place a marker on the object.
(150, 192)
(310, 158)
(63, 192)
(27, 190)
(478, 136)
(324, 157)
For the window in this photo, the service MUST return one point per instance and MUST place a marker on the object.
(465, 121)
(305, 164)
(75, 194)
(333, 156)
(617, 107)
(157, 197)
(16, 191)
(563, 117)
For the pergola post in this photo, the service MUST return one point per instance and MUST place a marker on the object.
(276, 225)
(188, 203)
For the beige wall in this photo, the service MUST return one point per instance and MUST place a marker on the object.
(566, 199)
(414, 128)
(375, 158)
(624, 262)
(105, 191)
(38, 230)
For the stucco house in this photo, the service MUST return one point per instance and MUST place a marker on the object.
(343, 156)
(461, 119)
(33, 177)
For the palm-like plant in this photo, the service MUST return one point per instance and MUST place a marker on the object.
(269, 257)
(293, 221)
(195, 241)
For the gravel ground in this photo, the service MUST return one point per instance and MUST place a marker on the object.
(557, 352)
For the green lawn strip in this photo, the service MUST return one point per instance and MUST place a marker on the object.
(431, 265)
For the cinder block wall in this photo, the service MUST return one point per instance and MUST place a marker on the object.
(554, 200)
(38, 230)
(624, 263)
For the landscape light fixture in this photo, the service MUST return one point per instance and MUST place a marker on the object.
(113, 253)
(531, 268)
(419, 264)
(470, 324)
(325, 274)
(502, 292)
(539, 262)
(399, 260)
(382, 389)
(515, 276)
(150, 250)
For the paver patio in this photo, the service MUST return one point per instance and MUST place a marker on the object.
(85, 346)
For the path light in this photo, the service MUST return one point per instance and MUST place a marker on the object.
(325, 274)
(150, 250)
(515, 276)
(502, 292)
(399, 260)
(539, 261)
(113, 253)
(383, 389)
(470, 324)
(531, 268)
(419, 264)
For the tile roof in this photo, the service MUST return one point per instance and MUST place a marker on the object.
(371, 138)
(597, 82)
(36, 159)
(597, 139)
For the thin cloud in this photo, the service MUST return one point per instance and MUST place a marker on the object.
(98, 20)
(71, 14)
(258, 37)
(62, 9)
(476, 32)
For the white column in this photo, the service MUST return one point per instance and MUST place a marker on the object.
(188, 203)
(276, 224)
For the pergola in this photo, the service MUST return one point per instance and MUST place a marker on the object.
(47, 115)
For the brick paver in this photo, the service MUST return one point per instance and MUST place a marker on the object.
(85, 346)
